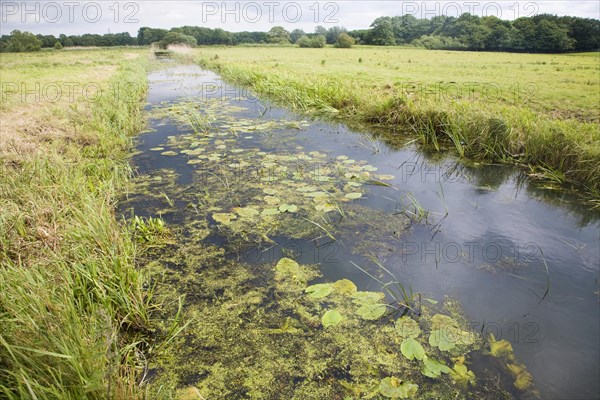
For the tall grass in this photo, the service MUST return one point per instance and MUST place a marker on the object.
(551, 148)
(73, 307)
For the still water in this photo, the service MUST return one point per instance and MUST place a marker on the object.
(522, 260)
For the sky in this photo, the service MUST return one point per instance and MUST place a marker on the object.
(102, 16)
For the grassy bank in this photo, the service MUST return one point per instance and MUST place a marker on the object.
(73, 308)
(539, 111)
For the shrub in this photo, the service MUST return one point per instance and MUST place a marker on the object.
(344, 41)
(58, 46)
(314, 41)
(178, 38)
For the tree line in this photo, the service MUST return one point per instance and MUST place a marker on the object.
(541, 33)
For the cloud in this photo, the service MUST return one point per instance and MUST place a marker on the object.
(77, 17)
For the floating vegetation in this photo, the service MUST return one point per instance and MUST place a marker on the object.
(278, 329)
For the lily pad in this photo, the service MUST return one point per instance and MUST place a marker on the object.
(353, 195)
(331, 318)
(157, 149)
(291, 208)
(344, 286)
(371, 312)
(439, 338)
(169, 153)
(272, 200)
(269, 191)
(407, 327)
(269, 211)
(224, 218)
(397, 389)
(440, 321)
(246, 212)
(365, 298)
(319, 290)
(325, 207)
(433, 368)
(287, 268)
(412, 349)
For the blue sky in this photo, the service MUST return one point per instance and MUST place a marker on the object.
(101, 16)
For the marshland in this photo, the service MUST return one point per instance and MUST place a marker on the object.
(278, 222)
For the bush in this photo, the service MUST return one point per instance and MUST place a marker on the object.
(177, 38)
(21, 42)
(433, 42)
(344, 41)
(314, 41)
(58, 46)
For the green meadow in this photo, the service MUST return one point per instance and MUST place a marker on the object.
(536, 110)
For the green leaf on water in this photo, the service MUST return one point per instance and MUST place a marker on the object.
(433, 368)
(157, 149)
(499, 348)
(291, 208)
(325, 207)
(344, 286)
(269, 211)
(269, 191)
(461, 375)
(440, 338)
(365, 298)
(412, 349)
(287, 267)
(224, 218)
(397, 389)
(353, 195)
(246, 212)
(169, 153)
(440, 321)
(272, 200)
(523, 379)
(369, 168)
(331, 318)
(407, 327)
(371, 312)
(319, 290)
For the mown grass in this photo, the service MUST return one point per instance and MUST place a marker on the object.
(551, 127)
(73, 308)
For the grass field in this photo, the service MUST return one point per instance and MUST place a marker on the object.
(540, 111)
(73, 308)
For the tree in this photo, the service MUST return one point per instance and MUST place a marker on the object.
(20, 42)
(296, 34)
(147, 36)
(320, 30)
(58, 46)
(361, 36)
(344, 41)
(552, 37)
(278, 34)
(177, 38)
(333, 33)
(382, 33)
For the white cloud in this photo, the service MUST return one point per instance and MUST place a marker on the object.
(77, 17)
